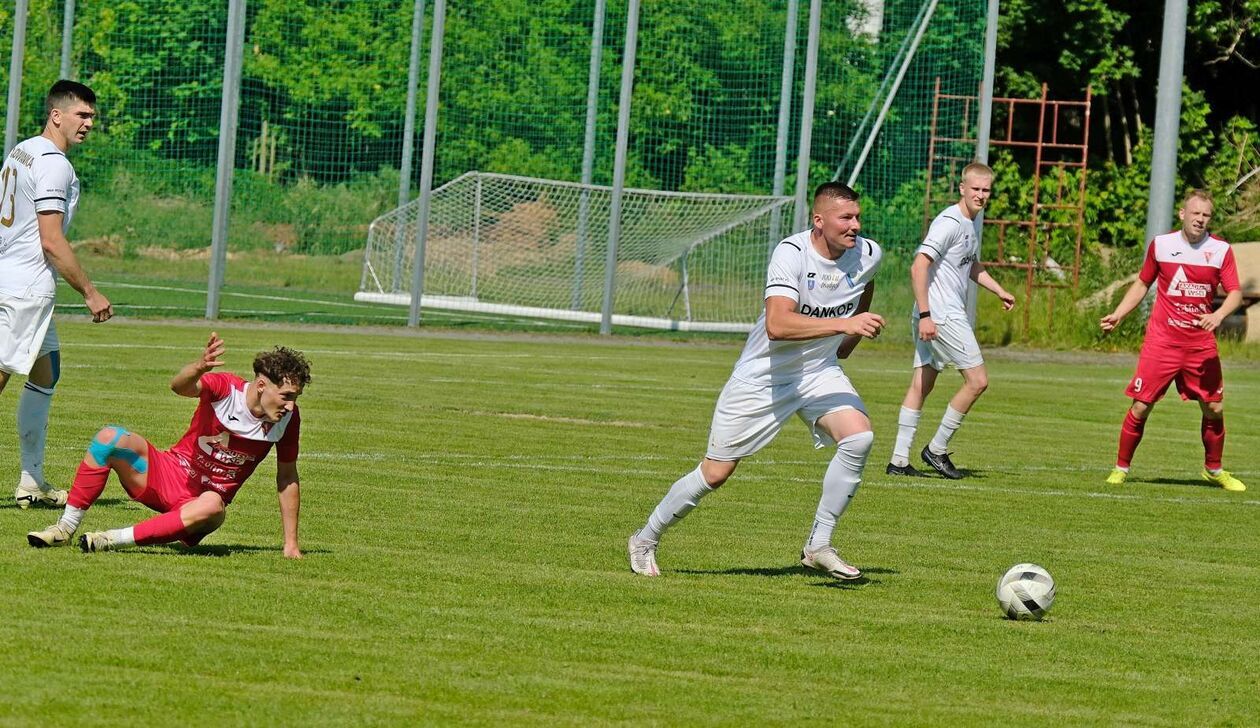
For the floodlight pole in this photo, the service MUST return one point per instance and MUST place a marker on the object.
(426, 159)
(228, 117)
(1167, 121)
(785, 118)
(588, 152)
(619, 164)
(807, 115)
(67, 38)
(409, 134)
(12, 115)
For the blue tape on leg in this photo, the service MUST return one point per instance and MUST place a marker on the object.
(101, 452)
(54, 358)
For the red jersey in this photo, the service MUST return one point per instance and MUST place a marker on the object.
(1187, 278)
(225, 442)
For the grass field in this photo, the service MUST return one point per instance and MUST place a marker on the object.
(466, 501)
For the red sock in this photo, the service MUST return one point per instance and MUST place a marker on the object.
(89, 482)
(160, 529)
(1213, 442)
(1130, 436)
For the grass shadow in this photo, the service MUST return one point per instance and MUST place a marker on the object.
(795, 570)
(216, 550)
(1193, 482)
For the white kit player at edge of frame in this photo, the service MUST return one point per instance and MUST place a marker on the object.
(819, 286)
(39, 193)
(1025, 591)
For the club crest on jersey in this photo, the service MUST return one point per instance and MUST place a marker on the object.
(810, 282)
(1180, 286)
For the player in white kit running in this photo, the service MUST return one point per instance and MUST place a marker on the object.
(39, 193)
(945, 264)
(818, 291)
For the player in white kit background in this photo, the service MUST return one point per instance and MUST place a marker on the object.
(39, 193)
(818, 293)
(941, 274)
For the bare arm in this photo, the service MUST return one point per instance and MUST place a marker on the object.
(1132, 298)
(981, 276)
(290, 504)
(59, 253)
(919, 284)
(1212, 321)
(783, 323)
(187, 381)
(864, 304)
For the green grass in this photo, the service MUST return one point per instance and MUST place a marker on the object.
(466, 502)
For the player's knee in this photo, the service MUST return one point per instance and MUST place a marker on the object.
(1140, 410)
(1213, 410)
(858, 444)
(205, 514)
(717, 472)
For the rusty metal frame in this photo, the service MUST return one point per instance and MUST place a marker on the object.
(1054, 153)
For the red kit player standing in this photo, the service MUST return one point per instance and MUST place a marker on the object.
(235, 425)
(1187, 265)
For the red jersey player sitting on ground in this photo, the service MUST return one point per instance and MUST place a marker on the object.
(190, 485)
(1180, 343)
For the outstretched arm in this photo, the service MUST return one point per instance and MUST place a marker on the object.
(1132, 298)
(187, 381)
(290, 504)
(864, 304)
(981, 276)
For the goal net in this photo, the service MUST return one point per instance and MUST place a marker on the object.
(521, 246)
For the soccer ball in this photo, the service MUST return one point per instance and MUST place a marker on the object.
(1025, 591)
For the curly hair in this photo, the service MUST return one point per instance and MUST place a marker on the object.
(283, 364)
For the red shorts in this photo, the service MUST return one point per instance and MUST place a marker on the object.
(1197, 373)
(169, 486)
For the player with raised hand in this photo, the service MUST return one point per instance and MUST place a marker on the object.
(941, 275)
(817, 299)
(39, 194)
(1180, 343)
(234, 427)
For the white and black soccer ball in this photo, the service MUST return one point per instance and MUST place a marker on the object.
(1025, 591)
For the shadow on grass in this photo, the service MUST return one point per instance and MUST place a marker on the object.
(796, 570)
(214, 550)
(9, 503)
(1193, 482)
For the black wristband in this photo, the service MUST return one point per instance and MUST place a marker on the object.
(924, 314)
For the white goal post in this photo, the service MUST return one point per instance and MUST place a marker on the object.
(521, 246)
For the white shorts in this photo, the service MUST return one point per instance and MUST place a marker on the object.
(955, 344)
(748, 416)
(26, 332)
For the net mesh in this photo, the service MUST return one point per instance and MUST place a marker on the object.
(528, 243)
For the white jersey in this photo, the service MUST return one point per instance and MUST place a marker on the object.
(36, 178)
(953, 244)
(822, 288)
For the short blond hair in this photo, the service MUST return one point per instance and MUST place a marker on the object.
(1198, 193)
(977, 169)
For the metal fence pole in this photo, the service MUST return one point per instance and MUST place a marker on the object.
(807, 115)
(1167, 121)
(619, 164)
(67, 38)
(984, 126)
(13, 112)
(785, 118)
(426, 159)
(232, 52)
(588, 151)
(409, 133)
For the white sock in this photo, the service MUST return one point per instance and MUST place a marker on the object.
(949, 425)
(32, 427)
(122, 536)
(683, 495)
(907, 424)
(844, 474)
(71, 518)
